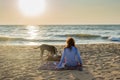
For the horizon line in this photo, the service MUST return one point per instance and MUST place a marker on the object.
(61, 24)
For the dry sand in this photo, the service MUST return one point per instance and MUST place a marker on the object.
(100, 62)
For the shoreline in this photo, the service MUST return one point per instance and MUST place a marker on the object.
(32, 45)
(100, 62)
(36, 44)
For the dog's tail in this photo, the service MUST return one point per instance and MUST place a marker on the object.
(37, 47)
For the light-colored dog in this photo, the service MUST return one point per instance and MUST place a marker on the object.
(50, 48)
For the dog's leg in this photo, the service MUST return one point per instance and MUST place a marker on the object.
(53, 53)
(41, 54)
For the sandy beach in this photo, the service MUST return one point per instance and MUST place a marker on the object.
(100, 62)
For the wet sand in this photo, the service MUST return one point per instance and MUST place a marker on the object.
(100, 62)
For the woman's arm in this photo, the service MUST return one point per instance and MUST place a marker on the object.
(61, 60)
(79, 57)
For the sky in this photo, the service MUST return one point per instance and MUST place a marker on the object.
(63, 12)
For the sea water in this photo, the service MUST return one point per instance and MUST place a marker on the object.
(57, 34)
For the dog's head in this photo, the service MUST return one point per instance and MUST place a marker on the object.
(55, 52)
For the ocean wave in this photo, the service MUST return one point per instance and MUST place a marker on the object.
(60, 35)
(114, 39)
(52, 40)
(87, 36)
(6, 38)
(104, 37)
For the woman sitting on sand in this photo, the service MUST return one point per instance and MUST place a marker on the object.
(70, 57)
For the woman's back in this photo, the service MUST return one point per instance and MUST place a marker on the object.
(70, 55)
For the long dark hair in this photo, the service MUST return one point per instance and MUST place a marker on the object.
(70, 42)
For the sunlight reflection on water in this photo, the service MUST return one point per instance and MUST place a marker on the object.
(32, 31)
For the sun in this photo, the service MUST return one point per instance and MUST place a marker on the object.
(31, 7)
